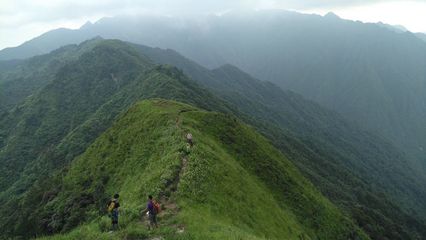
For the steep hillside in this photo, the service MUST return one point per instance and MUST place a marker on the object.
(371, 75)
(359, 172)
(76, 91)
(231, 185)
(19, 79)
(58, 122)
(338, 157)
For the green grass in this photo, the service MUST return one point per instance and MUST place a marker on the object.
(69, 112)
(235, 185)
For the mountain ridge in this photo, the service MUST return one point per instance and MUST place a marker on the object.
(350, 67)
(93, 164)
(169, 82)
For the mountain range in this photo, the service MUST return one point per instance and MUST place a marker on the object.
(68, 117)
(316, 122)
(373, 75)
(71, 96)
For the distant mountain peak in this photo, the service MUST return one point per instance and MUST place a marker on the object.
(331, 15)
(86, 25)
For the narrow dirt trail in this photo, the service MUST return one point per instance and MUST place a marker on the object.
(167, 196)
(173, 185)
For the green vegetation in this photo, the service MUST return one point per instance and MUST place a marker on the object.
(19, 79)
(232, 185)
(48, 189)
(338, 157)
(78, 89)
(371, 74)
(64, 123)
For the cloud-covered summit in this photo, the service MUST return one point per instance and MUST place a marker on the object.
(21, 20)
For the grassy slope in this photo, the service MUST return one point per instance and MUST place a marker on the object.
(235, 185)
(77, 90)
(45, 116)
(19, 216)
(358, 171)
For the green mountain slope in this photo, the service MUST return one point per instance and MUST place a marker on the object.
(232, 184)
(49, 129)
(338, 157)
(299, 128)
(371, 75)
(19, 79)
(77, 91)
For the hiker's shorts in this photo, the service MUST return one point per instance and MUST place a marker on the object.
(114, 217)
(152, 218)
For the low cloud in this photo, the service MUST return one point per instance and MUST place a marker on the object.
(38, 16)
(18, 12)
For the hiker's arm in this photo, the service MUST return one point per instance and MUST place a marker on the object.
(144, 211)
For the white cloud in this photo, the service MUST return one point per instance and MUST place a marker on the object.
(410, 14)
(21, 20)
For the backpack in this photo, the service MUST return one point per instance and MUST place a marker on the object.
(111, 206)
(156, 206)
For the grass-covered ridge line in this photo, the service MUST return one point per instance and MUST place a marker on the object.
(45, 116)
(357, 170)
(37, 138)
(233, 184)
(59, 121)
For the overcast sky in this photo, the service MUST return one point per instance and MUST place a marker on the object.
(21, 20)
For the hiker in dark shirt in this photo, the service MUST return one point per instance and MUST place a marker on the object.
(113, 206)
(152, 209)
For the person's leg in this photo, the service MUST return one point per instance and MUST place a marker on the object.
(155, 220)
(151, 222)
(114, 220)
